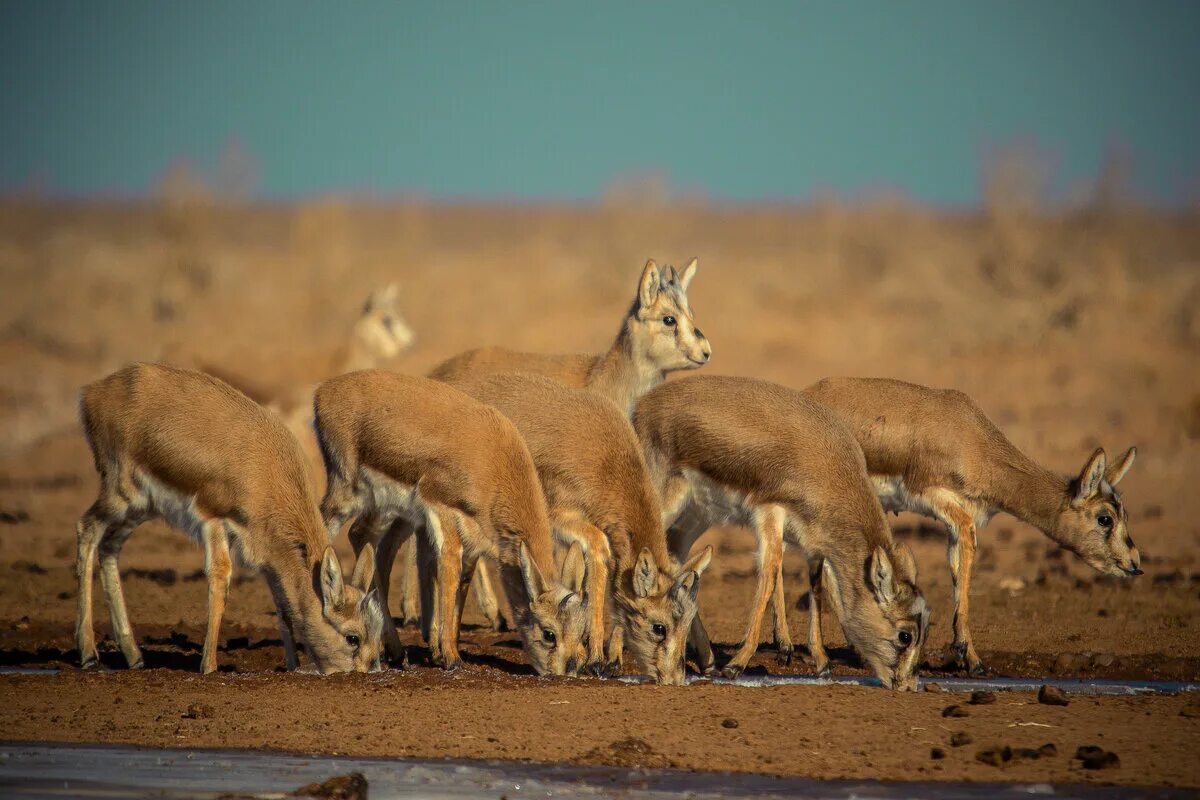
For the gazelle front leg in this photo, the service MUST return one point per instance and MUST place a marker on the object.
(219, 569)
(91, 527)
(446, 542)
(410, 593)
(768, 525)
(485, 597)
(386, 537)
(960, 552)
(816, 640)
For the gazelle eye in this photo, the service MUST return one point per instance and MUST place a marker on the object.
(352, 640)
(905, 638)
(669, 322)
(659, 630)
(1105, 521)
(548, 636)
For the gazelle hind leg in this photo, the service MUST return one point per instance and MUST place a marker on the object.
(389, 542)
(816, 640)
(111, 543)
(219, 568)
(769, 522)
(783, 636)
(88, 533)
(410, 589)
(960, 552)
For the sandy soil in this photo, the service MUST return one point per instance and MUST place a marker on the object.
(1070, 333)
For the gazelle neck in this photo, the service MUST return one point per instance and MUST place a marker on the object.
(622, 374)
(1031, 493)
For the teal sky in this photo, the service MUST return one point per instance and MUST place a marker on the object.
(530, 100)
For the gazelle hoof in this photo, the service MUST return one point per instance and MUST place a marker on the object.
(453, 665)
(731, 671)
(711, 671)
(824, 671)
(785, 653)
(612, 668)
(596, 668)
(91, 662)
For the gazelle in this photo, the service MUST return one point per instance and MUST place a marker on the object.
(406, 453)
(657, 336)
(600, 497)
(934, 452)
(186, 447)
(747, 452)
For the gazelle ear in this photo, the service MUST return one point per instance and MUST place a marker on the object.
(535, 582)
(645, 574)
(882, 576)
(689, 272)
(330, 579)
(650, 284)
(372, 612)
(903, 560)
(697, 563)
(574, 570)
(364, 569)
(1090, 477)
(1118, 469)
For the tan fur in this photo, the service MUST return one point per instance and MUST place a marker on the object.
(744, 451)
(404, 453)
(600, 496)
(645, 350)
(185, 446)
(934, 452)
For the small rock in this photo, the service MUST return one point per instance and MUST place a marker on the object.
(1027, 753)
(1192, 709)
(1102, 612)
(198, 711)
(1094, 757)
(1066, 662)
(1052, 696)
(994, 756)
(954, 711)
(937, 754)
(960, 738)
(343, 787)
(729, 722)
(931, 686)
(1048, 750)
(1104, 659)
(982, 698)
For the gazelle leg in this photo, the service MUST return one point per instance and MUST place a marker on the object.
(390, 539)
(110, 578)
(614, 649)
(783, 636)
(449, 576)
(961, 554)
(219, 569)
(768, 524)
(485, 596)
(595, 545)
(684, 528)
(87, 540)
(816, 641)
(410, 596)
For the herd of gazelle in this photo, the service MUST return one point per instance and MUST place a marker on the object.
(515, 458)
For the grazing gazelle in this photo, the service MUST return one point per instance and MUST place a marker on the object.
(748, 452)
(405, 453)
(657, 336)
(933, 452)
(600, 496)
(186, 447)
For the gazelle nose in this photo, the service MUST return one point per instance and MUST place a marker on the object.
(572, 666)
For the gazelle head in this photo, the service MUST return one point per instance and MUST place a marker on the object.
(1093, 522)
(660, 326)
(656, 619)
(883, 614)
(348, 634)
(381, 332)
(555, 624)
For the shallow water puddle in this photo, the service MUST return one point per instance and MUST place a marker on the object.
(42, 771)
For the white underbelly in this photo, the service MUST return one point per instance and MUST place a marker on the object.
(391, 499)
(894, 496)
(718, 504)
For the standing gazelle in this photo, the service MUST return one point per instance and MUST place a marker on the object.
(934, 452)
(405, 453)
(600, 496)
(657, 336)
(186, 447)
(747, 452)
